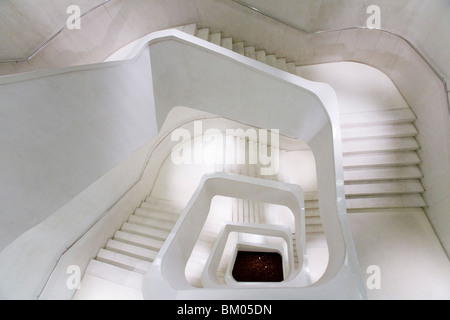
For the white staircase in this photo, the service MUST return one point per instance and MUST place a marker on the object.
(117, 270)
(381, 173)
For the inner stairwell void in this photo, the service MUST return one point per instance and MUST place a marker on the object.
(381, 173)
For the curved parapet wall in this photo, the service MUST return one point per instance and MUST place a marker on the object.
(190, 72)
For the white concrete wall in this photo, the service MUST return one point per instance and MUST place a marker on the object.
(62, 131)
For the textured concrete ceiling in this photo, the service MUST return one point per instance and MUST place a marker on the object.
(25, 25)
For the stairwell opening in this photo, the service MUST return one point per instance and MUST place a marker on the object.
(258, 267)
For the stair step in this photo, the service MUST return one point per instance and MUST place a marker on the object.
(272, 60)
(383, 159)
(281, 64)
(158, 204)
(150, 222)
(398, 187)
(131, 250)
(150, 213)
(377, 174)
(313, 220)
(123, 261)
(400, 130)
(115, 274)
(203, 34)
(377, 117)
(400, 201)
(291, 68)
(215, 38)
(379, 145)
(190, 29)
(137, 240)
(316, 228)
(227, 43)
(261, 56)
(250, 52)
(311, 204)
(312, 212)
(239, 48)
(145, 231)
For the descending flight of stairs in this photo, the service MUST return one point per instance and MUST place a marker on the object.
(381, 173)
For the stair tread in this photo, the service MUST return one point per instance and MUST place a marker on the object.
(145, 231)
(382, 159)
(377, 117)
(123, 261)
(151, 213)
(399, 201)
(395, 130)
(250, 52)
(379, 145)
(272, 60)
(151, 222)
(383, 173)
(215, 38)
(238, 47)
(203, 33)
(131, 250)
(261, 56)
(227, 43)
(291, 68)
(281, 64)
(397, 187)
(115, 274)
(159, 204)
(190, 29)
(138, 240)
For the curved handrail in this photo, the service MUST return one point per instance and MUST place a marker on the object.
(417, 51)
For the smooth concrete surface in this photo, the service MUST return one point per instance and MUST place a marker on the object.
(62, 130)
(404, 246)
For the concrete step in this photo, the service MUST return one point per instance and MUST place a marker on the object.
(145, 231)
(377, 117)
(291, 68)
(95, 288)
(379, 145)
(137, 240)
(115, 274)
(281, 64)
(272, 60)
(158, 204)
(215, 38)
(150, 222)
(383, 160)
(150, 213)
(378, 174)
(388, 202)
(316, 228)
(190, 29)
(399, 130)
(250, 52)
(123, 261)
(261, 56)
(311, 204)
(227, 43)
(312, 212)
(203, 33)
(384, 188)
(131, 250)
(239, 48)
(313, 220)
